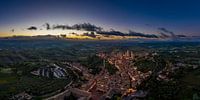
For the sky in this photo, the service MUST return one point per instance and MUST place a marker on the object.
(147, 16)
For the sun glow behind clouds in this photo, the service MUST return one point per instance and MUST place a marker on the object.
(41, 32)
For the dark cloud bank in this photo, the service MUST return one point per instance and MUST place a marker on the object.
(84, 26)
(163, 32)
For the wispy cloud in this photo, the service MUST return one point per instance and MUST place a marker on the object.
(166, 33)
(47, 25)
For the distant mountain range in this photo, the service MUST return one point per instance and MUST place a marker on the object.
(97, 37)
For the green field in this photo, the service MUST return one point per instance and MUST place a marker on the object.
(18, 79)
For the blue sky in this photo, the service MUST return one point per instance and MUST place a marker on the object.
(179, 16)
